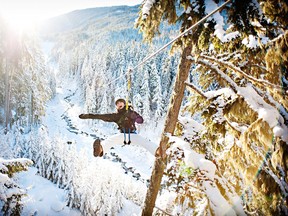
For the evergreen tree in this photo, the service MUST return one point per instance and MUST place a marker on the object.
(238, 54)
(24, 78)
(157, 106)
(145, 94)
(10, 192)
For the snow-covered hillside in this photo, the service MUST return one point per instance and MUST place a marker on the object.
(113, 171)
(224, 123)
(120, 177)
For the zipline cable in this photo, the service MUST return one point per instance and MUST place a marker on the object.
(172, 41)
(180, 35)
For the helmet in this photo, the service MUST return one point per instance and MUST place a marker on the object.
(120, 100)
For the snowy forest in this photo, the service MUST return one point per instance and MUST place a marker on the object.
(215, 101)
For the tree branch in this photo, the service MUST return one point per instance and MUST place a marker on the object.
(232, 84)
(193, 87)
(239, 71)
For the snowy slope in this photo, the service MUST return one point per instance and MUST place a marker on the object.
(62, 119)
(44, 197)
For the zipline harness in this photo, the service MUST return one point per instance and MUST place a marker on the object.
(130, 70)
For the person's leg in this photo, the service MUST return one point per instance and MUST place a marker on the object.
(129, 136)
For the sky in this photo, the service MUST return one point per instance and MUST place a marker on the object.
(27, 12)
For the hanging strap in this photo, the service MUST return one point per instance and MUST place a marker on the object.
(127, 105)
(128, 88)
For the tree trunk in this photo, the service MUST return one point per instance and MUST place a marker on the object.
(169, 127)
(30, 116)
(7, 110)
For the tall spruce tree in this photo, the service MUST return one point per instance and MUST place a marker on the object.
(241, 50)
(24, 77)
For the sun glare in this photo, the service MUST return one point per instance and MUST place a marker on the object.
(19, 22)
(25, 14)
(21, 17)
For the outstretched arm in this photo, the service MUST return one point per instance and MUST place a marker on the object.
(104, 117)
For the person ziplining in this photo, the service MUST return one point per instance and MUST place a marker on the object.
(125, 118)
(169, 127)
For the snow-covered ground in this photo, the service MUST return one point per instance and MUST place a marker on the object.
(62, 119)
(44, 197)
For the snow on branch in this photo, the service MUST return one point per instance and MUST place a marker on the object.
(277, 39)
(219, 27)
(207, 168)
(239, 71)
(265, 111)
(14, 165)
(233, 85)
(10, 192)
(208, 96)
(147, 7)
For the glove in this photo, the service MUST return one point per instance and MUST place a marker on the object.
(84, 116)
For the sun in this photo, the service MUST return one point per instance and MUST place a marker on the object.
(21, 15)
(21, 20)
(18, 22)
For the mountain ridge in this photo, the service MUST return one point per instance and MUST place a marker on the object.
(81, 18)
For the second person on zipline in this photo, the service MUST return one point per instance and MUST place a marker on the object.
(124, 118)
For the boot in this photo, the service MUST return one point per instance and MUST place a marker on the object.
(98, 150)
(157, 152)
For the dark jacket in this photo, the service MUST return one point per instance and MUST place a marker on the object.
(125, 119)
